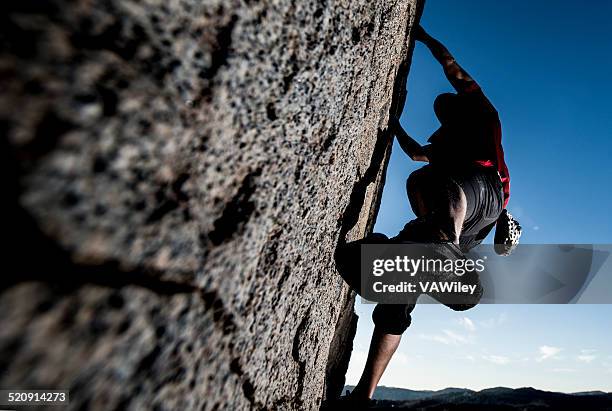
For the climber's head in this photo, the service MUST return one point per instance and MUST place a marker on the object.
(446, 107)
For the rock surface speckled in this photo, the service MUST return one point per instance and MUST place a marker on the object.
(178, 174)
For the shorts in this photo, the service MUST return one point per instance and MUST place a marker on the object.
(484, 194)
(439, 185)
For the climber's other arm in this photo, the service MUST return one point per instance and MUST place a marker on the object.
(457, 76)
(414, 150)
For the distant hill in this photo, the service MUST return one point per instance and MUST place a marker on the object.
(404, 394)
(491, 399)
(589, 393)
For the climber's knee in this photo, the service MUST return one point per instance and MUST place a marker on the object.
(419, 178)
(417, 184)
(348, 259)
(413, 182)
(392, 318)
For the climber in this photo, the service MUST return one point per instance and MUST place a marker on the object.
(465, 150)
(458, 198)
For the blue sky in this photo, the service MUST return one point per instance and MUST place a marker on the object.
(546, 66)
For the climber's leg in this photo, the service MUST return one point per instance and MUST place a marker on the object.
(440, 200)
(348, 261)
(453, 210)
(382, 348)
(390, 321)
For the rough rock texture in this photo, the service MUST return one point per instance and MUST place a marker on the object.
(177, 176)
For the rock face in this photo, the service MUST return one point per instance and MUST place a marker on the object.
(178, 174)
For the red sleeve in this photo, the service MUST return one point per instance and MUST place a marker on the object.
(502, 168)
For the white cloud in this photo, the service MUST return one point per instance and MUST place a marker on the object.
(456, 338)
(466, 323)
(436, 338)
(547, 352)
(447, 337)
(586, 358)
(495, 321)
(586, 355)
(496, 359)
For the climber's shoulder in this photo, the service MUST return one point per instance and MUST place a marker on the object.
(476, 98)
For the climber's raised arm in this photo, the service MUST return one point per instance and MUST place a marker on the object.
(457, 76)
(414, 150)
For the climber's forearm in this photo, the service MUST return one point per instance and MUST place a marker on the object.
(437, 49)
(455, 74)
(414, 150)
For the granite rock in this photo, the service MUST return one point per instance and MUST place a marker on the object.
(178, 175)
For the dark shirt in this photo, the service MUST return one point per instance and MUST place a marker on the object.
(473, 137)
